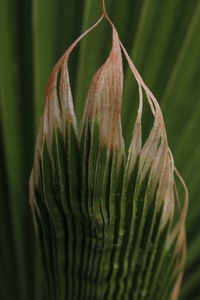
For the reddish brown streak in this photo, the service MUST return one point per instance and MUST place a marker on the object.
(53, 76)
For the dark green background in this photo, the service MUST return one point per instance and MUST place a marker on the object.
(163, 39)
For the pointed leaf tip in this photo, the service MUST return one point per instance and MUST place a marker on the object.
(105, 98)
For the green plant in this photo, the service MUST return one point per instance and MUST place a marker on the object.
(19, 257)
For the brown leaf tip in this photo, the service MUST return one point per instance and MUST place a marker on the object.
(105, 98)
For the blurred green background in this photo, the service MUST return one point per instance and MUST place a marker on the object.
(163, 39)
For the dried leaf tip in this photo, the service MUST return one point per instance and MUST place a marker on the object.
(105, 98)
(59, 109)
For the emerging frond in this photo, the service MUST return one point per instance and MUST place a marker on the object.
(110, 226)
